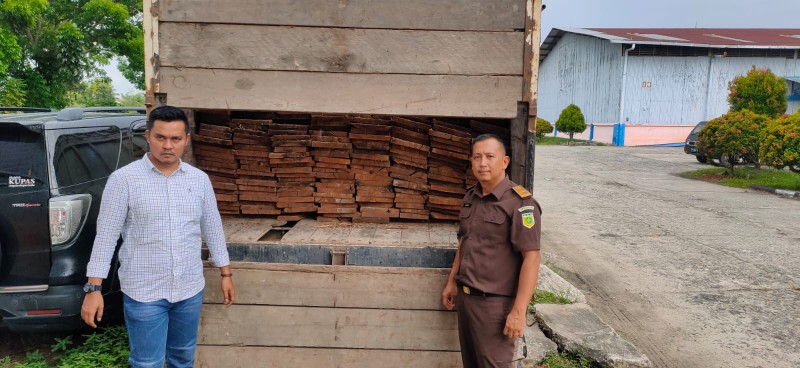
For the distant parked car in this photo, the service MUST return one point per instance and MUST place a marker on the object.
(691, 144)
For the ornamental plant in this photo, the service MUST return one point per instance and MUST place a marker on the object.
(760, 91)
(733, 137)
(780, 143)
(543, 127)
(571, 120)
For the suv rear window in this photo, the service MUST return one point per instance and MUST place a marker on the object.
(698, 127)
(86, 154)
(23, 157)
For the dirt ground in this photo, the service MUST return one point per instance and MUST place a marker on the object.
(695, 274)
(17, 345)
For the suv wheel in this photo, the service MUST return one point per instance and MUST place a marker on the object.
(703, 159)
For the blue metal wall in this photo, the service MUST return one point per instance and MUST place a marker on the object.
(673, 90)
(587, 71)
(583, 70)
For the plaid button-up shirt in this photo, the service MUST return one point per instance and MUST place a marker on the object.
(161, 219)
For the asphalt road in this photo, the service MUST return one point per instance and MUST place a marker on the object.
(695, 274)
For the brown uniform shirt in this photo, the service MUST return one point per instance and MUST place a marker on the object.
(494, 230)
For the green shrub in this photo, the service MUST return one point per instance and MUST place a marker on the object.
(543, 127)
(106, 348)
(571, 121)
(735, 134)
(759, 91)
(780, 143)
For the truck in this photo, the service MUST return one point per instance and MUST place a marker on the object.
(336, 135)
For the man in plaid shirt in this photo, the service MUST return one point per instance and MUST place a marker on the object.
(161, 207)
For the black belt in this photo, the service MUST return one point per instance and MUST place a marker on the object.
(475, 292)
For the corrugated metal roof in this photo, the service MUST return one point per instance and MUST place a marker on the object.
(720, 38)
(706, 37)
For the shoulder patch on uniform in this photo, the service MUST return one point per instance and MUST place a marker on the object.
(522, 192)
(528, 220)
(527, 208)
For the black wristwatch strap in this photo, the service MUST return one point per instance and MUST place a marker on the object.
(89, 288)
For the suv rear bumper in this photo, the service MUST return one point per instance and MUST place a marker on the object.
(67, 299)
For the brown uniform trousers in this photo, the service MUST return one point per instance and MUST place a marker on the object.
(480, 325)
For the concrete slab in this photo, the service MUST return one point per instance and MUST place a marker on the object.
(575, 328)
(532, 350)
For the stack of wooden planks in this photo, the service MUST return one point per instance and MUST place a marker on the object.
(336, 186)
(293, 164)
(256, 181)
(449, 160)
(410, 147)
(337, 167)
(370, 164)
(213, 150)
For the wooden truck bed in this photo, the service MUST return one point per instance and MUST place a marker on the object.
(322, 315)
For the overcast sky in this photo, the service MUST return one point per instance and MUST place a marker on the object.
(642, 14)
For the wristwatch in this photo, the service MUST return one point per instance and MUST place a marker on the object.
(89, 288)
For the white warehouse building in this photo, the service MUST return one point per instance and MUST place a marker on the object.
(651, 86)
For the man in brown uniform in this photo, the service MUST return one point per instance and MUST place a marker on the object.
(496, 267)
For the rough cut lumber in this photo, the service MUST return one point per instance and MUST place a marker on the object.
(489, 15)
(381, 51)
(328, 327)
(396, 94)
(280, 357)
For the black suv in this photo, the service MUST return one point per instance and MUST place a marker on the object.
(53, 168)
(690, 146)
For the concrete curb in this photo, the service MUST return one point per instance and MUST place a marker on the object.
(552, 282)
(574, 328)
(783, 192)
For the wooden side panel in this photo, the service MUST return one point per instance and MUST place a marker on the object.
(253, 325)
(344, 287)
(225, 46)
(490, 15)
(277, 357)
(399, 94)
(150, 29)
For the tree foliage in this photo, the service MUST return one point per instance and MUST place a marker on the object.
(96, 92)
(543, 127)
(135, 99)
(780, 143)
(51, 46)
(759, 91)
(732, 136)
(571, 121)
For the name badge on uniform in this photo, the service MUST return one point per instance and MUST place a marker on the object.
(467, 204)
(527, 220)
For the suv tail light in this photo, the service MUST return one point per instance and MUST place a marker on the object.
(67, 216)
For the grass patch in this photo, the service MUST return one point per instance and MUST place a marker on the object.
(558, 141)
(106, 348)
(566, 360)
(745, 176)
(546, 297)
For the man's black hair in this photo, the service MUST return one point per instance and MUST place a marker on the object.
(486, 136)
(167, 113)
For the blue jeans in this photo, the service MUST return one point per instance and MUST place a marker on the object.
(162, 329)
